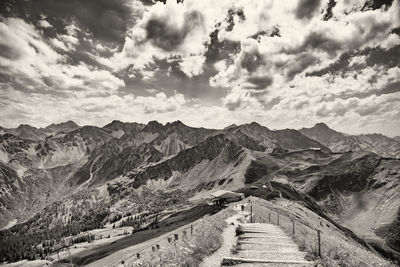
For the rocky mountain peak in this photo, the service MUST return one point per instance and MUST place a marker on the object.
(320, 128)
(230, 126)
(321, 125)
(65, 127)
(176, 123)
(114, 122)
(153, 126)
(26, 127)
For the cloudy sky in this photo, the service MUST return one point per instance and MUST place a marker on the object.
(284, 64)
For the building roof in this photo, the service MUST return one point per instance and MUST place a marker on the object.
(226, 194)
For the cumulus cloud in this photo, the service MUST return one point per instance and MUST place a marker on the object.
(192, 66)
(30, 59)
(160, 103)
(65, 42)
(244, 60)
(307, 41)
(44, 24)
(106, 20)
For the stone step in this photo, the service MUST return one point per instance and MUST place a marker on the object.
(281, 246)
(262, 229)
(311, 264)
(267, 239)
(263, 232)
(262, 225)
(271, 255)
(251, 260)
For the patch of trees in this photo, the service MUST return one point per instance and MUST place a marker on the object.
(44, 233)
(83, 238)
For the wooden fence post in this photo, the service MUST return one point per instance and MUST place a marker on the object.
(157, 246)
(191, 229)
(319, 243)
(153, 248)
(293, 226)
(169, 239)
(138, 255)
(251, 212)
(278, 218)
(176, 236)
(269, 216)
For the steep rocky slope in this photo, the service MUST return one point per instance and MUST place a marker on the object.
(125, 166)
(64, 127)
(340, 142)
(256, 137)
(28, 132)
(119, 128)
(360, 189)
(42, 167)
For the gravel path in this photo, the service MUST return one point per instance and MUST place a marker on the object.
(229, 238)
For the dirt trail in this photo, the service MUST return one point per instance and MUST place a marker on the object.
(229, 238)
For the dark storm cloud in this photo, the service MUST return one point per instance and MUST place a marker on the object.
(338, 67)
(391, 88)
(374, 56)
(273, 32)
(106, 20)
(166, 35)
(307, 8)
(388, 58)
(251, 60)
(396, 31)
(220, 50)
(319, 40)
(9, 52)
(377, 4)
(259, 82)
(230, 18)
(328, 14)
(22, 83)
(300, 63)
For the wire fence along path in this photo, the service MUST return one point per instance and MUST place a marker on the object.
(272, 215)
(289, 223)
(171, 238)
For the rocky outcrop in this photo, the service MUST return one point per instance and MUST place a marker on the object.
(185, 160)
(64, 127)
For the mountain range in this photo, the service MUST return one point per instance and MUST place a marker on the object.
(341, 142)
(353, 178)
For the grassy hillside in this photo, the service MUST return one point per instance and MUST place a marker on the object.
(338, 245)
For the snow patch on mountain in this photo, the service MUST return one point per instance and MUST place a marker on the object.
(3, 156)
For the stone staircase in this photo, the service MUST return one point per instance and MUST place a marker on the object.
(264, 244)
